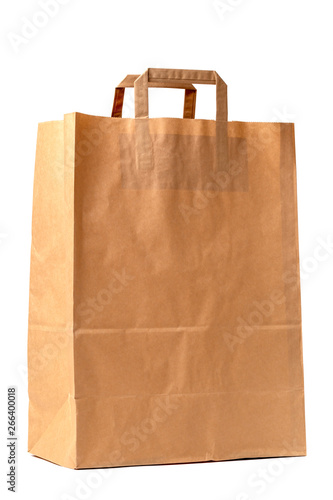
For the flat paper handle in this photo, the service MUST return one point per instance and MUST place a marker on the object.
(144, 149)
(177, 76)
(189, 98)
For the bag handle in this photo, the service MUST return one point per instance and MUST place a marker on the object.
(144, 148)
(128, 81)
(176, 77)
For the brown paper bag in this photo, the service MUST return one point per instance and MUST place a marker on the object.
(165, 321)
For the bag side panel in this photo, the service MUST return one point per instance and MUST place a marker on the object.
(50, 339)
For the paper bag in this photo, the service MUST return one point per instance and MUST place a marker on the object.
(165, 320)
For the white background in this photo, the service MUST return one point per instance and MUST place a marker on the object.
(276, 57)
